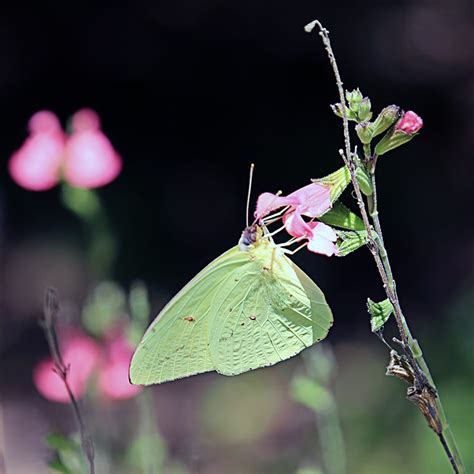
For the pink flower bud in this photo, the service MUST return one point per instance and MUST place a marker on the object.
(409, 123)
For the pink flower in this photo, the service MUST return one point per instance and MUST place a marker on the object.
(409, 123)
(321, 238)
(80, 354)
(36, 165)
(86, 158)
(85, 358)
(312, 200)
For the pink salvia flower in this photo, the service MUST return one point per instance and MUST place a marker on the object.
(409, 123)
(86, 159)
(81, 354)
(36, 165)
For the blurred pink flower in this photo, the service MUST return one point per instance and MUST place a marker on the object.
(81, 355)
(87, 159)
(409, 123)
(36, 165)
(85, 358)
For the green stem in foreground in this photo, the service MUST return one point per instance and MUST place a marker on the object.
(425, 398)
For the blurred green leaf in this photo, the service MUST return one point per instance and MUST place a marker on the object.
(379, 312)
(350, 241)
(139, 302)
(311, 394)
(147, 453)
(309, 470)
(58, 466)
(60, 442)
(341, 216)
(105, 306)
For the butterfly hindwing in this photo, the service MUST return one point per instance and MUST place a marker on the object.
(176, 343)
(267, 312)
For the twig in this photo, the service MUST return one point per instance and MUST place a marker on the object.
(51, 310)
(423, 393)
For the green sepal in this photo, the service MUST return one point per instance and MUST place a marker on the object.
(311, 394)
(337, 181)
(393, 139)
(365, 183)
(350, 241)
(341, 216)
(385, 119)
(379, 313)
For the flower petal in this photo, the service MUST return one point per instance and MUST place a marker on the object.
(314, 199)
(322, 240)
(36, 165)
(268, 202)
(90, 160)
(295, 225)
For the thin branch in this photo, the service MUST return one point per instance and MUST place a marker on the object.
(424, 393)
(48, 322)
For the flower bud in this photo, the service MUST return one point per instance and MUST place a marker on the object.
(403, 131)
(337, 109)
(354, 98)
(409, 123)
(386, 119)
(365, 132)
(364, 112)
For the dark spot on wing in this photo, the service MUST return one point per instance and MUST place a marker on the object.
(252, 317)
(230, 310)
(242, 324)
(189, 318)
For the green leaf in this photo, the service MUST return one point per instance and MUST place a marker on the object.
(379, 312)
(311, 394)
(341, 216)
(58, 466)
(350, 241)
(337, 181)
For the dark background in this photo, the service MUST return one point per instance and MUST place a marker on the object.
(190, 93)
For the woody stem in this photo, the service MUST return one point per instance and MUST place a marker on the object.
(377, 248)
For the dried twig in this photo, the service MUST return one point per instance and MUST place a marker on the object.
(48, 322)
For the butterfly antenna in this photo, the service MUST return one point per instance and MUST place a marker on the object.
(252, 166)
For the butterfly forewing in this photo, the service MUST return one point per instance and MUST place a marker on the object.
(176, 343)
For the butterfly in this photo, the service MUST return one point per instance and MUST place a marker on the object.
(251, 307)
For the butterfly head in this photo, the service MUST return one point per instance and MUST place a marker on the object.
(250, 236)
